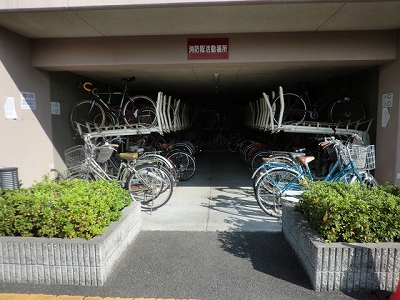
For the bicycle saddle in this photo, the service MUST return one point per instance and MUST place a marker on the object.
(129, 155)
(305, 159)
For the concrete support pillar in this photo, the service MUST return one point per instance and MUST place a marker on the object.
(388, 135)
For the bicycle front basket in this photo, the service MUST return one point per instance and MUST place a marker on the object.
(370, 158)
(358, 156)
(74, 156)
(103, 154)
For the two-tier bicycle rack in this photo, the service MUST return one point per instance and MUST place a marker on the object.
(260, 116)
(172, 116)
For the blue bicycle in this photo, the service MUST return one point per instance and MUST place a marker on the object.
(280, 181)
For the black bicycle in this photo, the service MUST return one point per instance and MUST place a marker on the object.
(340, 108)
(89, 115)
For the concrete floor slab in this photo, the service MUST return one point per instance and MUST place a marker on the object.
(219, 197)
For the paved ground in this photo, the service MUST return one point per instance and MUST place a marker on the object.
(211, 241)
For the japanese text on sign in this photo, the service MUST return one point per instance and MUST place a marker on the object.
(212, 48)
(28, 100)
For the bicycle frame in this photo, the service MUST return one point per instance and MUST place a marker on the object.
(109, 109)
(292, 189)
(220, 137)
(315, 107)
(138, 111)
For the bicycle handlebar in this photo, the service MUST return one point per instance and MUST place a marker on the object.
(88, 87)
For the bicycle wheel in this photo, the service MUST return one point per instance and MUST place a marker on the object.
(184, 164)
(363, 177)
(149, 185)
(84, 175)
(347, 109)
(56, 175)
(295, 109)
(140, 111)
(199, 147)
(233, 143)
(161, 161)
(215, 142)
(368, 179)
(258, 159)
(275, 186)
(87, 116)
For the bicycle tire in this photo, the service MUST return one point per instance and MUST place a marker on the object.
(56, 175)
(242, 148)
(295, 108)
(258, 159)
(233, 143)
(184, 163)
(261, 170)
(140, 111)
(368, 179)
(268, 188)
(84, 175)
(252, 151)
(149, 185)
(165, 171)
(162, 161)
(185, 146)
(89, 115)
(347, 109)
(364, 177)
(245, 149)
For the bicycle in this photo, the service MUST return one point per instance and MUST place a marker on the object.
(89, 115)
(147, 183)
(280, 181)
(297, 106)
(180, 155)
(217, 140)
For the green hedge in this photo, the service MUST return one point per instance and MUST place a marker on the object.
(69, 209)
(352, 213)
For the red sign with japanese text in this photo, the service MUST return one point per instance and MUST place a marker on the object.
(208, 48)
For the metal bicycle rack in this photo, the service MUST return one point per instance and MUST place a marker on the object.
(172, 116)
(260, 116)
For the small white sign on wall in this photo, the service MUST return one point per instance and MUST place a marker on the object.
(55, 108)
(385, 116)
(9, 109)
(387, 100)
(28, 100)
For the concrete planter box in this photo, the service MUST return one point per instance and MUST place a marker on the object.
(68, 261)
(346, 267)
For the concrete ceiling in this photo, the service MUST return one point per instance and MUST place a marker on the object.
(204, 17)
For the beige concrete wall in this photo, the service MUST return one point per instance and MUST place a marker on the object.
(29, 138)
(299, 48)
(66, 90)
(59, 4)
(388, 138)
(26, 142)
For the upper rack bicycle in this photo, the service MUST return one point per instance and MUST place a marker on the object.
(89, 115)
